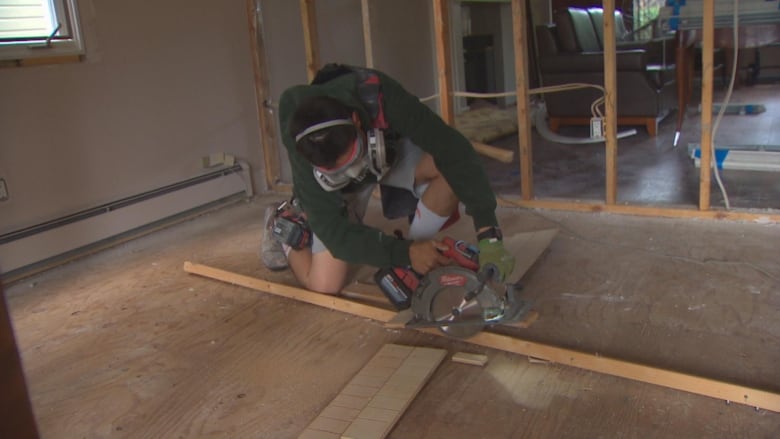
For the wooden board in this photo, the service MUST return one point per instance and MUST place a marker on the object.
(372, 402)
(624, 369)
(472, 359)
(527, 247)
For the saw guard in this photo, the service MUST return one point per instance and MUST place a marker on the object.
(460, 304)
(442, 301)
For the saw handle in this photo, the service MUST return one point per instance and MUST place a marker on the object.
(462, 253)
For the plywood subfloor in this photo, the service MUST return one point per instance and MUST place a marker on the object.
(125, 344)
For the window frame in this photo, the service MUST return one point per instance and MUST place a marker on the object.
(67, 41)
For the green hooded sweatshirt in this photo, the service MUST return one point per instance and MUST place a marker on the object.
(406, 115)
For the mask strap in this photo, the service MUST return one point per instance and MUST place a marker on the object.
(322, 126)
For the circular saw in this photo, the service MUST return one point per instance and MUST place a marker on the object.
(460, 300)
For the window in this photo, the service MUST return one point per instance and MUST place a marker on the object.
(39, 29)
(645, 14)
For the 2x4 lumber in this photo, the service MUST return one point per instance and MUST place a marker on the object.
(262, 94)
(705, 171)
(610, 100)
(596, 363)
(500, 154)
(310, 37)
(650, 211)
(441, 26)
(519, 32)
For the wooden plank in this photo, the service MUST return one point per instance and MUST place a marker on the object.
(301, 295)
(471, 359)
(310, 37)
(597, 363)
(651, 211)
(708, 56)
(527, 247)
(262, 95)
(441, 36)
(610, 100)
(373, 401)
(500, 154)
(519, 12)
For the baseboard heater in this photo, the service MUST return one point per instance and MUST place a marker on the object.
(51, 239)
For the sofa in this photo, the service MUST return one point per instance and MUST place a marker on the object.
(571, 50)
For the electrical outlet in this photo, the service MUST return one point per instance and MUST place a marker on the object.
(596, 127)
(3, 190)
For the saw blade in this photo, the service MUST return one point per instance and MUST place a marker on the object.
(449, 305)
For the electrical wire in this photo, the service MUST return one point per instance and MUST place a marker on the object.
(724, 105)
(538, 116)
(594, 107)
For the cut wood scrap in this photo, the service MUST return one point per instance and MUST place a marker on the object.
(500, 154)
(372, 402)
(624, 369)
(467, 358)
(533, 360)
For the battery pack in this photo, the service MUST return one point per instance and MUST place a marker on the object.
(293, 231)
(398, 285)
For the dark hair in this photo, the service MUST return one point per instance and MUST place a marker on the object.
(322, 147)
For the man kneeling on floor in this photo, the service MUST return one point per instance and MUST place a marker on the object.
(354, 128)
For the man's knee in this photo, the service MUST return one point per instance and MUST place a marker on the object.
(325, 285)
(327, 274)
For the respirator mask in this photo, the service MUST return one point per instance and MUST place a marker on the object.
(367, 155)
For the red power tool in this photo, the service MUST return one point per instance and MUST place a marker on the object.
(290, 226)
(459, 299)
(400, 283)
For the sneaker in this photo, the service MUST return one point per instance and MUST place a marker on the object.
(271, 250)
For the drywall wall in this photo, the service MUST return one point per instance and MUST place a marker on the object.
(163, 84)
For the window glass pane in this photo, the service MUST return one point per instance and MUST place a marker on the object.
(39, 29)
(24, 19)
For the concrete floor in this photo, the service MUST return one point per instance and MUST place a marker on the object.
(650, 169)
(125, 344)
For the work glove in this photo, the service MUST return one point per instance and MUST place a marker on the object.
(492, 251)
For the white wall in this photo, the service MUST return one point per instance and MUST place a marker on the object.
(163, 84)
